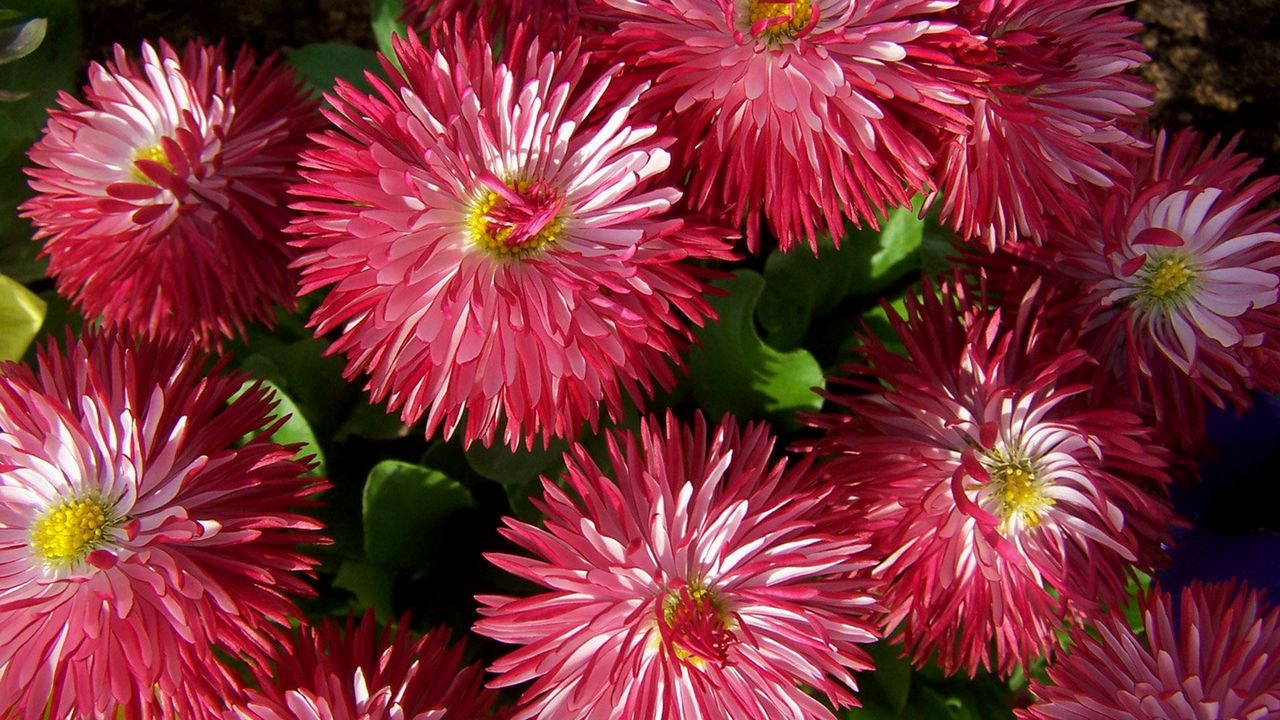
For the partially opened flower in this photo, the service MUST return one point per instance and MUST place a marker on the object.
(161, 198)
(795, 112)
(700, 584)
(357, 673)
(137, 530)
(1058, 93)
(1004, 507)
(1214, 652)
(497, 257)
(1179, 281)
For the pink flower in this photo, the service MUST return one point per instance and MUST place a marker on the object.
(1213, 654)
(1003, 507)
(702, 583)
(795, 111)
(496, 253)
(1179, 279)
(161, 198)
(136, 531)
(358, 673)
(1059, 94)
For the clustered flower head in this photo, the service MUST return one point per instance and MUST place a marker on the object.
(797, 112)
(162, 196)
(335, 672)
(512, 236)
(1176, 282)
(1209, 651)
(1055, 93)
(697, 580)
(139, 529)
(498, 252)
(1001, 505)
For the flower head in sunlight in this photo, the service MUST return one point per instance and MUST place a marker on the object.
(161, 197)
(1058, 94)
(702, 583)
(795, 112)
(1002, 505)
(1212, 652)
(335, 673)
(138, 529)
(498, 253)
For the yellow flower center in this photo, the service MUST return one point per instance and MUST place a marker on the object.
(70, 531)
(778, 20)
(154, 153)
(516, 219)
(1018, 491)
(695, 626)
(1167, 279)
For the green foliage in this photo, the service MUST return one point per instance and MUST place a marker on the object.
(385, 15)
(295, 430)
(405, 508)
(20, 40)
(320, 65)
(21, 314)
(894, 691)
(733, 370)
(31, 82)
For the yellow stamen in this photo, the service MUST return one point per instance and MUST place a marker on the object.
(1167, 279)
(495, 237)
(71, 530)
(154, 153)
(798, 15)
(1018, 490)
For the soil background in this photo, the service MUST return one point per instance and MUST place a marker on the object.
(1215, 63)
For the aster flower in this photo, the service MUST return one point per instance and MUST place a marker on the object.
(806, 103)
(1212, 653)
(161, 197)
(330, 673)
(1058, 94)
(1002, 506)
(1178, 281)
(494, 253)
(701, 583)
(136, 531)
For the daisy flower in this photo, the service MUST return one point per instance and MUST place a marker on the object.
(161, 197)
(1213, 652)
(700, 583)
(1179, 280)
(1003, 507)
(496, 250)
(805, 103)
(1058, 94)
(335, 673)
(138, 530)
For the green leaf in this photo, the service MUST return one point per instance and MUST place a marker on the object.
(18, 41)
(878, 321)
(802, 286)
(385, 15)
(295, 430)
(321, 64)
(893, 673)
(518, 467)
(732, 370)
(21, 314)
(404, 508)
(373, 586)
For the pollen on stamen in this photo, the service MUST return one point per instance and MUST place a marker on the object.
(71, 530)
(516, 219)
(777, 20)
(1018, 492)
(694, 626)
(1166, 280)
(154, 153)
